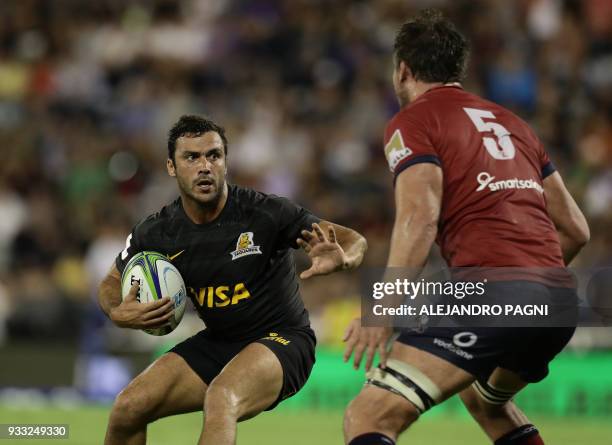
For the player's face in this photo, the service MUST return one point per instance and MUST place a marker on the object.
(199, 167)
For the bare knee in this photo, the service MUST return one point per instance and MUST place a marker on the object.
(221, 401)
(377, 410)
(131, 410)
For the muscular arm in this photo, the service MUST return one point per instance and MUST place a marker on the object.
(566, 215)
(109, 292)
(418, 199)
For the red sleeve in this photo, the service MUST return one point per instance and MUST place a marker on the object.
(406, 144)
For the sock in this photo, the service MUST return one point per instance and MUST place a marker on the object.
(372, 439)
(523, 435)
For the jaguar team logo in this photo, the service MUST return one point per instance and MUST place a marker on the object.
(245, 246)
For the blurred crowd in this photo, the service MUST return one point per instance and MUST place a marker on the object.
(88, 91)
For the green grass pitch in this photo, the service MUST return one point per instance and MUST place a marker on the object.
(87, 426)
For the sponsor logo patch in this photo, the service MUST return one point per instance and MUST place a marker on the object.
(172, 257)
(395, 150)
(277, 338)
(452, 348)
(219, 296)
(465, 339)
(486, 180)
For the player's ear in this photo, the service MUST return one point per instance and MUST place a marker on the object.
(404, 71)
(170, 167)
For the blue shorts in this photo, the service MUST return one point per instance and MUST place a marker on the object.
(527, 351)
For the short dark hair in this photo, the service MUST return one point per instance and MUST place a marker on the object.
(432, 48)
(192, 126)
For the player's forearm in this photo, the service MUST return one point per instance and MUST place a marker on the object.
(571, 246)
(572, 226)
(411, 240)
(109, 294)
(573, 232)
(418, 202)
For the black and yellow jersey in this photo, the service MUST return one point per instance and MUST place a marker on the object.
(238, 269)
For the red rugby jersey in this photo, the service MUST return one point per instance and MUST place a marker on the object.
(493, 206)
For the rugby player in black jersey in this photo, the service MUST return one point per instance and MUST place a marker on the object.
(231, 245)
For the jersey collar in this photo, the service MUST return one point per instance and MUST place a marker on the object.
(446, 85)
(215, 222)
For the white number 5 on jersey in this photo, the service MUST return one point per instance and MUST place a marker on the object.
(502, 148)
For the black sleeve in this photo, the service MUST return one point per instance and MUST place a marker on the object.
(548, 169)
(132, 247)
(292, 220)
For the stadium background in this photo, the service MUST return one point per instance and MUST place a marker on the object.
(88, 91)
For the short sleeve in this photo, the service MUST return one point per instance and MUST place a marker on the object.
(406, 144)
(292, 220)
(132, 247)
(546, 165)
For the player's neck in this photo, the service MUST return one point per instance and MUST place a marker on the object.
(420, 88)
(200, 213)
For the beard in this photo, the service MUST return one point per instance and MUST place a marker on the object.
(205, 194)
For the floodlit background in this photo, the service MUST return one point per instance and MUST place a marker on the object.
(88, 91)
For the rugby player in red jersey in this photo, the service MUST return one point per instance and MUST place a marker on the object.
(473, 176)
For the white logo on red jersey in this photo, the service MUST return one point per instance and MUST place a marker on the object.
(486, 180)
(395, 150)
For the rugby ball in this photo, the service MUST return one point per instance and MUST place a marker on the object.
(158, 278)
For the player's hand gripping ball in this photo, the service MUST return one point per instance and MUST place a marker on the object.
(157, 278)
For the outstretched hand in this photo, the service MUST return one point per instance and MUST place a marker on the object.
(326, 254)
(362, 340)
